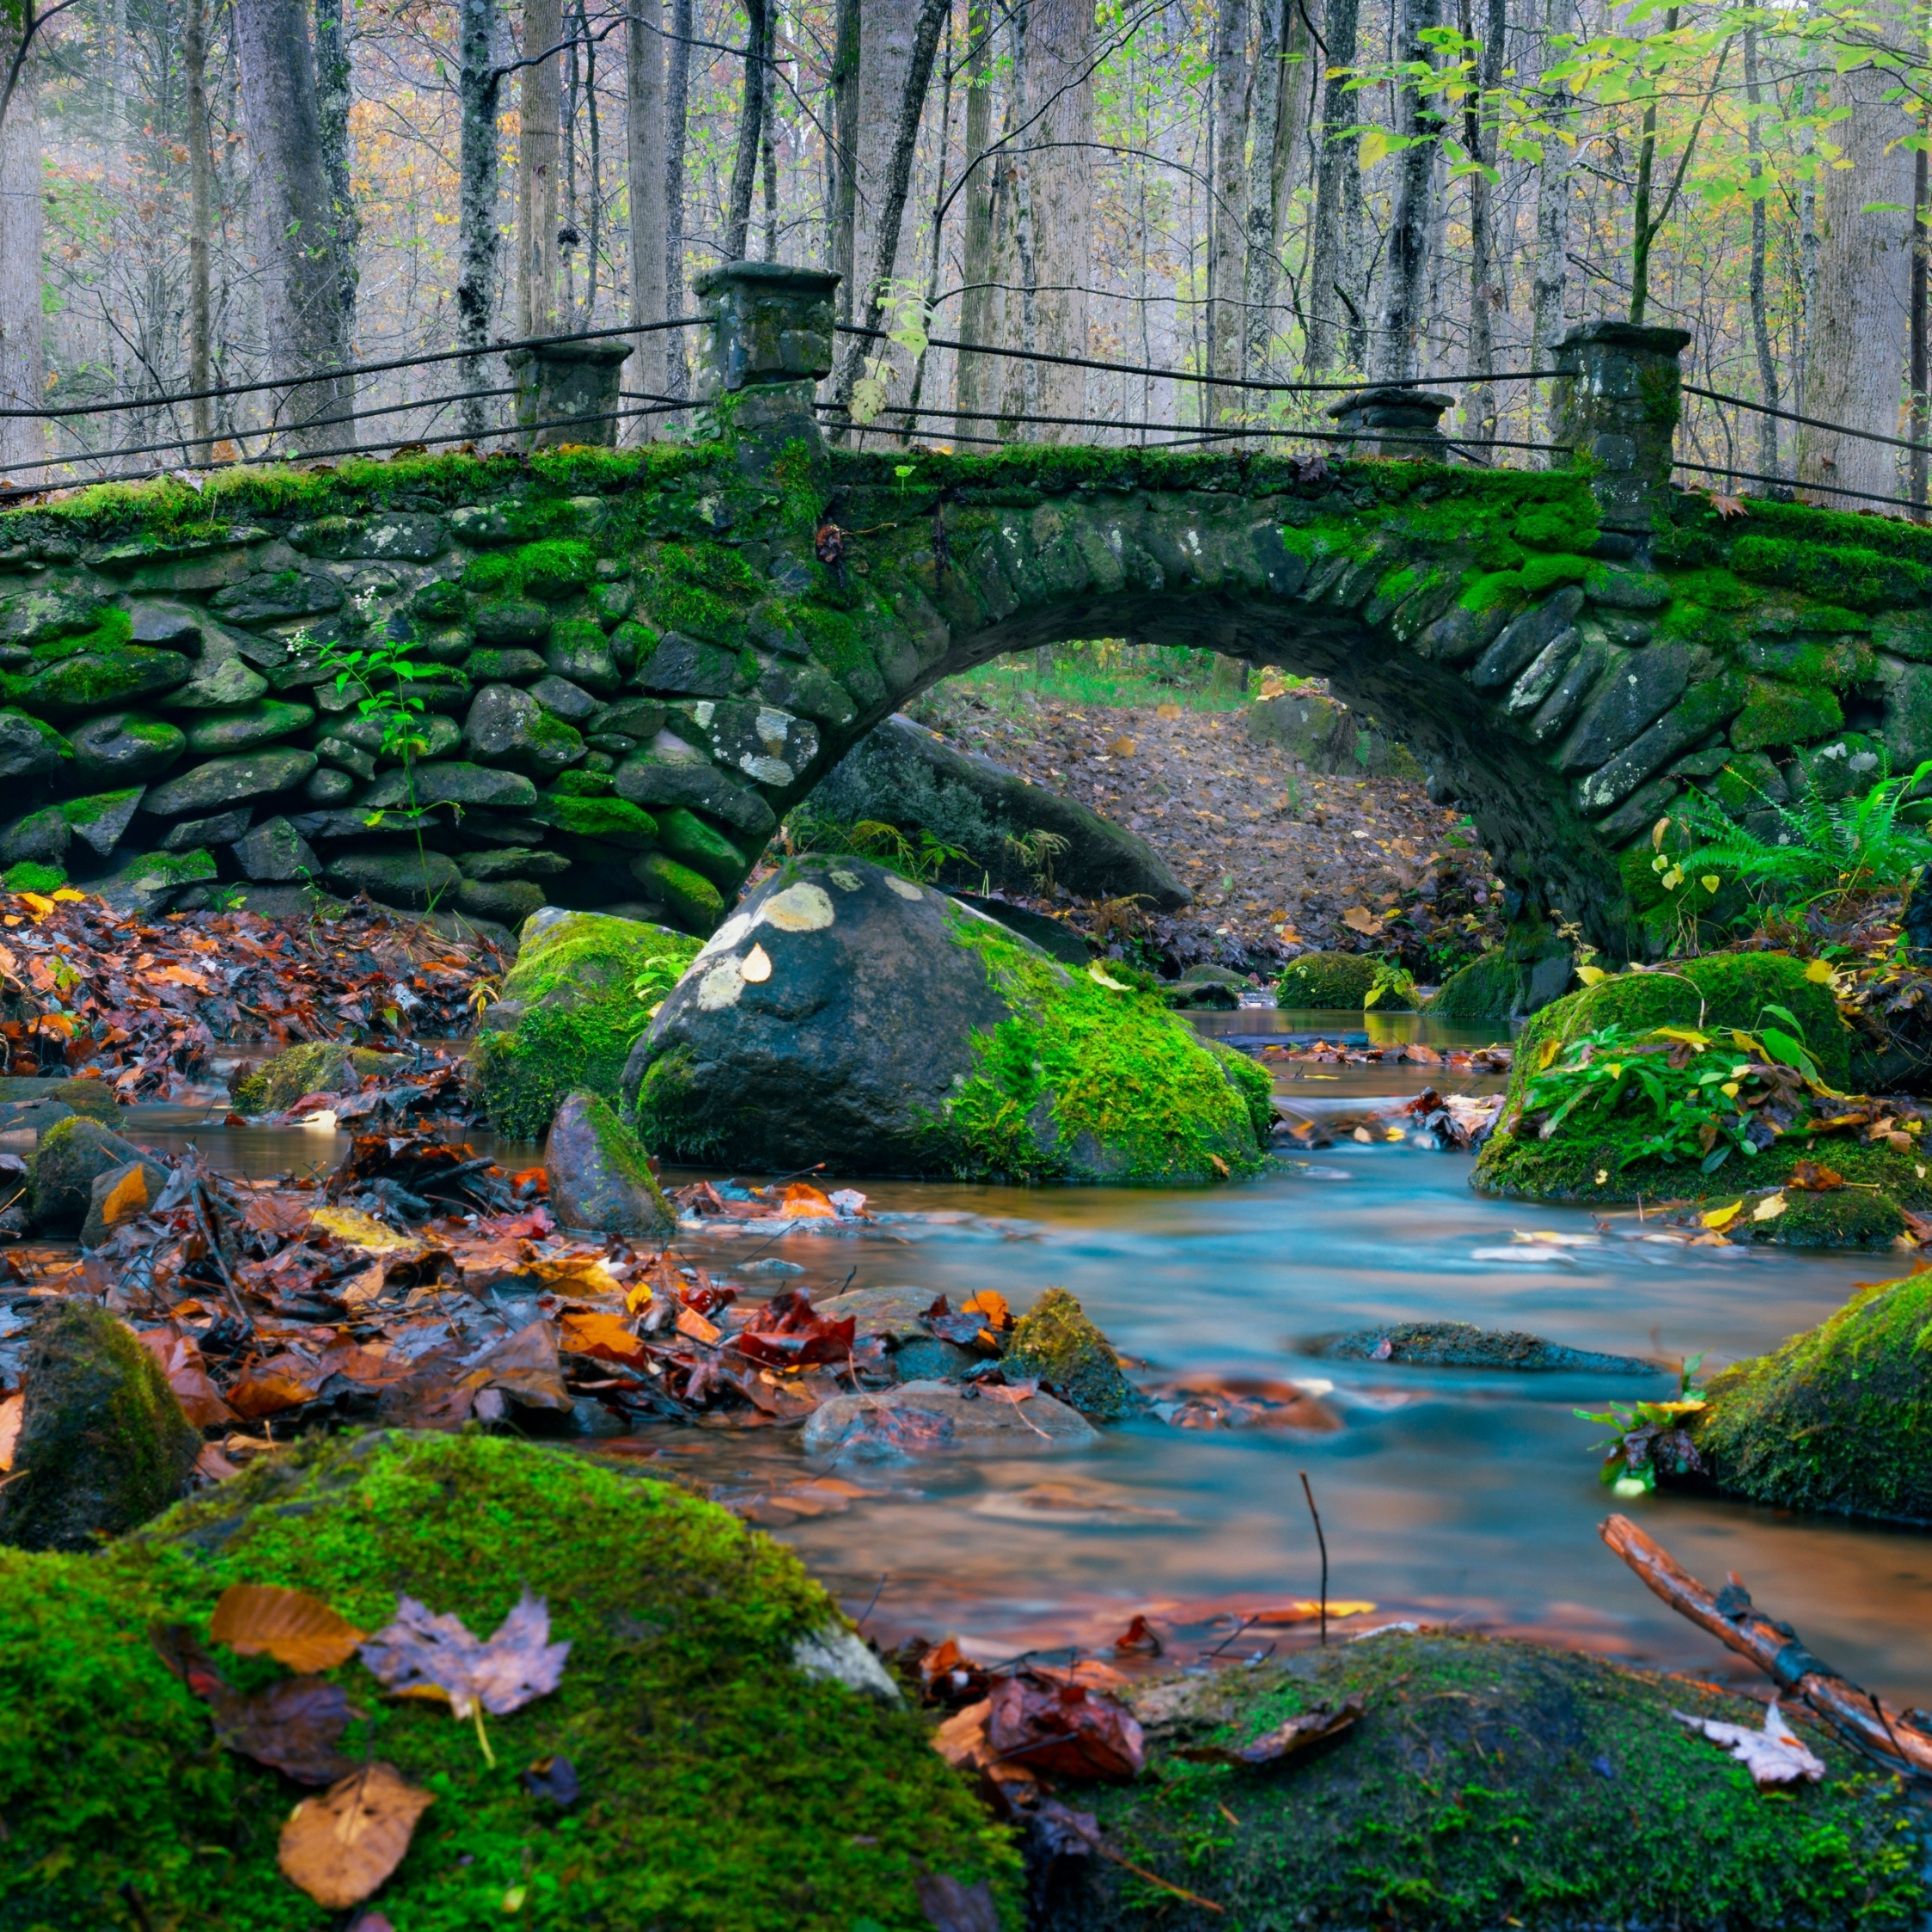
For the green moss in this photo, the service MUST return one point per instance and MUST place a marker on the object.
(1838, 570)
(1491, 1782)
(1570, 525)
(614, 821)
(314, 1067)
(1085, 1082)
(703, 847)
(1839, 1418)
(1784, 714)
(1487, 591)
(1057, 1342)
(688, 897)
(1338, 980)
(1545, 573)
(1488, 988)
(30, 876)
(89, 811)
(723, 1791)
(575, 982)
(583, 783)
(115, 629)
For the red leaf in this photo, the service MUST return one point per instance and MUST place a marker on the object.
(1064, 1729)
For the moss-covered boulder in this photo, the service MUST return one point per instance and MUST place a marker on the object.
(61, 1174)
(1488, 988)
(1339, 979)
(847, 1014)
(103, 1444)
(600, 1174)
(94, 1097)
(1588, 1157)
(581, 992)
(729, 1783)
(1839, 1418)
(1490, 1783)
(1057, 1341)
(314, 1067)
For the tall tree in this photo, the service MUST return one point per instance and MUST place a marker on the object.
(848, 29)
(301, 275)
(973, 377)
(677, 98)
(1280, 122)
(885, 52)
(22, 322)
(1550, 276)
(1862, 320)
(478, 87)
(1479, 141)
(1060, 85)
(1760, 314)
(644, 88)
(1227, 226)
(1394, 353)
(539, 135)
(1322, 297)
(751, 125)
(334, 94)
(201, 224)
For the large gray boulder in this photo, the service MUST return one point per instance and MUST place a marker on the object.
(902, 775)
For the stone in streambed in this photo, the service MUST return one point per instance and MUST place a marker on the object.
(897, 1318)
(314, 1067)
(96, 1098)
(1056, 1342)
(117, 1194)
(600, 1174)
(1462, 1345)
(103, 1444)
(934, 1417)
(61, 1174)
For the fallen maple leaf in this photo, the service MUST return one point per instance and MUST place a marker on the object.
(1772, 1756)
(341, 1847)
(1810, 1177)
(289, 1625)
(1063, 1729)
(1727, 507)
(1311, 1727)
(1359, 919)
(421, 1654)
(595, 1332)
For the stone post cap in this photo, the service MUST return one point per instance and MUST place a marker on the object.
(595, 354)
(1391, 405)
(769, 323)
(1639, 337)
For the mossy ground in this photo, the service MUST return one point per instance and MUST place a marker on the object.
(721, 1789)
(1839, 1418)
(576, 981)
(1491, 1783)
(1132, 1094)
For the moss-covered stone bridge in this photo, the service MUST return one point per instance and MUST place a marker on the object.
(630, 664)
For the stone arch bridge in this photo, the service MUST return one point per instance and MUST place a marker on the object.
(629, 664)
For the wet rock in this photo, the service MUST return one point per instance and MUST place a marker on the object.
(314, 1067)
(1642, 686)
(96, 681)
(31, 617)
(511, 862)
(902, 775)
(100, 821)
(690, 899)
(683, 667)
(1460, 1345)
(28, 748)
(924, 1418)
(276, 852)
(411, 879)
(1069, 946)
(222, 681)
(694, 782)
(116, 1194)
(578, 655)
(125, 748)
(1326, 979)
(63, 1170)
(103, 1444)
(600, 1174)
(193, 833)
(262, 723)
(508, 727)
(228, 781)
(1056, 1342)
(845, 1014)
(270, 597)
(512, 665)
(41, 837)
(686, 837)
(325, 787)
(148, 883)
(510, 625)
(1488, 988)
(447, 782)
(164, 625)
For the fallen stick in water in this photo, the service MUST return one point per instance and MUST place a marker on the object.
(1730, 1617)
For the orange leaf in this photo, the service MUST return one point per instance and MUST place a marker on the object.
(11, 1411)
(128, 1196)
(289, 1625)
(594, 1332)
(990, 1302)
(803, 1202)
(340, 1847)
(263, 1392)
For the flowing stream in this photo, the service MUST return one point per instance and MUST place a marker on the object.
(1453, 1495)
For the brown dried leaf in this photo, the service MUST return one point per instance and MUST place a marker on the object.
(291, 1727)
(1311, 1727)
(418, 1654)
(289, 1625)
(341, 1847)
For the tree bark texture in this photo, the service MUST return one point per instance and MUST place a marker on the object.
(301, 278)
(1549, 278)
(1394, 356)
(887, 31)
(1279, 124)
(643, 90)
(201, 222)
(540, 103)
(1485, 289)
(751, 128)
(1760, 319)
(334, 89)
(849, 28)
(1059, 87)
(973, 383)
(1227, 226)
(1859, 326)
(476, 220)
(1321, 298)
(677, 104)
(23, 370)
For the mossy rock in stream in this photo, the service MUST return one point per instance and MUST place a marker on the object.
(314, 1067)
(569, 1011)
(1488, 988)
(845, 1014)
(724, 1790)
(1839, 1418)
(1057, 1341)
(1327, 980)
(1491, 1782)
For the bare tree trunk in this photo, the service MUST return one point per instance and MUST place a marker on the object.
(1279, 122)
(767, 130)
(1325, 311)
(885, 52)
(1227, 239)
(1760, 321)
(1920, 321)
(644, 87)
(201, 222)
(1485, 292)
(751, 126)
(1412, 227)
(1023, 250)
(845, 138)
(479, 87)
(1059, 83)
(538, 153)
(973, 387)
(1864, 295)
(677, 99)
(1807, 250)
(301, 283)
(23, 380)
(334, 91)
(1549, 279)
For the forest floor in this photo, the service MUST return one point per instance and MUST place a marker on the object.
(1281, 860)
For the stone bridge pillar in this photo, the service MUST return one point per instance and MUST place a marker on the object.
(1408, 422)
(769, 345)
(1617, 403)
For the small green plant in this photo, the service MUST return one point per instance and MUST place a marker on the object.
(1819, 848)
(920, 857)
(653, 985)
(1649, 1436)
(1394, 983)
(1036, 850)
